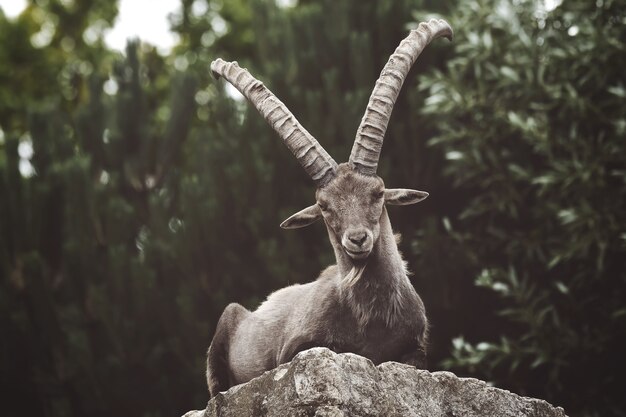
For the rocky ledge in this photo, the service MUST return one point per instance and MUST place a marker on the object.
(321, 383)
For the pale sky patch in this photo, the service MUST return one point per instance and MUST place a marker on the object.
(146, 20)
(143, 19)
(12, 8)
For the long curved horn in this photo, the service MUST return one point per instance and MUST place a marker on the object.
(371, 131)
(314, 159)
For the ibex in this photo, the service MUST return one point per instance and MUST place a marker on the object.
(364, 304)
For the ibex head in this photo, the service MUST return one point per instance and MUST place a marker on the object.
(350, 197)
(351, 205)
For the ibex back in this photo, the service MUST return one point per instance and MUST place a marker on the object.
(364, 304)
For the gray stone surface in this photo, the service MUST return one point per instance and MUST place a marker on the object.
(321, 383)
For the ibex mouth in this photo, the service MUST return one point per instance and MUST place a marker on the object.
(357, 254)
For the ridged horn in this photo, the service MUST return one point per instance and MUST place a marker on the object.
(371, 131)
(314, 159)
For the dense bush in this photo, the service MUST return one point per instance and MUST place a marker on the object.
(531, 117)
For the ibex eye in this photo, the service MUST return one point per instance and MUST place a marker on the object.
(380, 194)
(323, 206)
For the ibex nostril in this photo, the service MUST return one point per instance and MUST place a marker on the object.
(358, 239)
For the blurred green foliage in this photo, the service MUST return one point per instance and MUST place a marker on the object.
(152, 199)
(531, 117)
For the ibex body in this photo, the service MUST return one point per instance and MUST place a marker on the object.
(364, 304)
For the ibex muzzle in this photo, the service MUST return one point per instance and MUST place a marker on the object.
(365, 304)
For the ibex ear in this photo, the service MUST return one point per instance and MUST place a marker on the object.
(403, 196)
(303, 218)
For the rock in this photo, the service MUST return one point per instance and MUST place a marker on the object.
(321, 383)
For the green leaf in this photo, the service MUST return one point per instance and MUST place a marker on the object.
(516, 120)
(561, 287)
(617, 90)
(509, 73)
